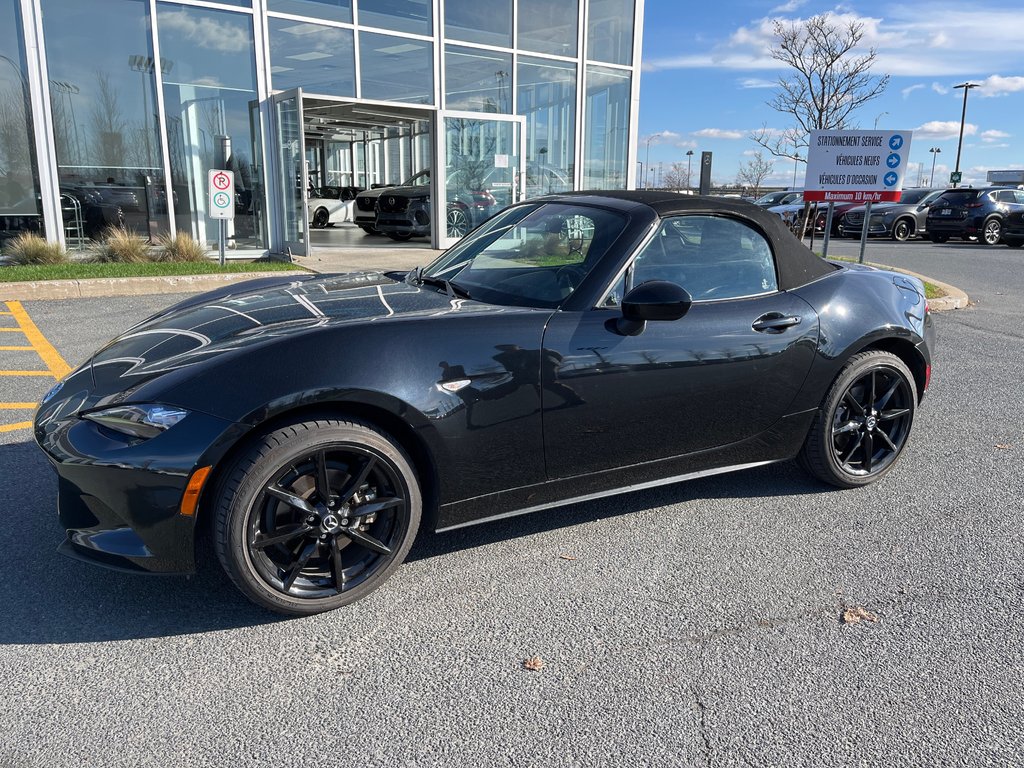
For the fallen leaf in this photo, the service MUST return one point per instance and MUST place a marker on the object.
(566, 557)
(1003, 446)
(857, 614)
(534, 663)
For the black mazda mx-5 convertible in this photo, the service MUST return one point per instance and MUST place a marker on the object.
(571, 347)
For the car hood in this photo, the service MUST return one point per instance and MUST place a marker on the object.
(199, 330)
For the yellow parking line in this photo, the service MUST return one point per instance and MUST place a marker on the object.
(16, 349)
(26, 373)
(17, 406)
(51, 357)
(11, 330)
(13, 427)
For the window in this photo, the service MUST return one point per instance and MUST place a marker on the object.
(415, 16)
(328, 10)
(549, 26)
(547, 98)
(477, 80)
(396, 68)
(610, 31)
(314, 57)
(712, 257)
(488, 23)
(606, 143)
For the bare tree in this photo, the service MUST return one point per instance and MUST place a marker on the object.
(675, 177)
(754, 172)
(827, 83)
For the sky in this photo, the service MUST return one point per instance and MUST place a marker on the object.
(707, 78)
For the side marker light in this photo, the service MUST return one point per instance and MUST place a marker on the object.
(190, 500)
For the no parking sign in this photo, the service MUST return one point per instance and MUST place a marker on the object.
(222, 194)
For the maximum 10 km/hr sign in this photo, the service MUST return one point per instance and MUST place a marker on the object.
(222, 194)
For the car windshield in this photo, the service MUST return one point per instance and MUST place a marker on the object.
(912, 196)
(532, 255)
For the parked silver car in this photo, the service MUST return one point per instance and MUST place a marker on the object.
(900, 221)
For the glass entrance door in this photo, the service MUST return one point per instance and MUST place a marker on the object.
(292, 179)
(481, 171)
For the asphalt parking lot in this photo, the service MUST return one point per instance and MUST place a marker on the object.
(696, 624)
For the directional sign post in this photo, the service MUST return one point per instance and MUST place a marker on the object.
(222, 202)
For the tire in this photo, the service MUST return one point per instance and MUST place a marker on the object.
(457, 221)
(369, 229)
(320, 218)
(401, 237)
(873, 396)
(902, 230)
(992, 232)
(939, 238)
(342, 503)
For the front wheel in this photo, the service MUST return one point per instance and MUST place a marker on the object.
(864, 422)
(993, 232)
(320, 218)
(316, 515)
(458, 222)
(902, 230)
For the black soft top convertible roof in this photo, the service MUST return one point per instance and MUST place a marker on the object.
(796, 264)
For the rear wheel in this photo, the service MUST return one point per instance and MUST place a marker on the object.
(902, 230)
(316, 515)
(992, 232)
(863, 423)
(320, 218)
(458, 222)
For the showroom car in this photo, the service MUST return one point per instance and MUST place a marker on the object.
(572, 347)
(327, 206)
(364, 213)
(899, 220)
(404, 212)
(971, 214)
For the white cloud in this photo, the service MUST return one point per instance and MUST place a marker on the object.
(757, 82)
(997, 85)
(788, 7)
(992, 136)
(940, 89)
(943, 129)
(207, 32)
(719, 133)
(660, 137)
(908, 42)
(910, 89)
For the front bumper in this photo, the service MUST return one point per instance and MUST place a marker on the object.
(119, 498)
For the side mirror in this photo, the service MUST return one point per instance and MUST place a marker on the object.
(654, 300)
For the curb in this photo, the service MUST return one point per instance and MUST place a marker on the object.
(954, 298)
(124, 286)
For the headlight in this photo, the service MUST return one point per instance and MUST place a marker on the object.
(143, 421)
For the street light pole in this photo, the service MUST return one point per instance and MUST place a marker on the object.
(649, 140)
(963, 116)
(796, 163)
(935, 153)
(689, 162)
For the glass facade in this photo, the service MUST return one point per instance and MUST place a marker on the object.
(106, 135)
(547, 98)
(20, 209)
(142, 98)
(212, 113)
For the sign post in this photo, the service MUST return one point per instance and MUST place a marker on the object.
(856, 167)
(222, 202)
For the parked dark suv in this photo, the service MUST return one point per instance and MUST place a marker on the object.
(973, 213)
(900, 221)
(1013, 229)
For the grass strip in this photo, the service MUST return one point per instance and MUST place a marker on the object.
(35, 272)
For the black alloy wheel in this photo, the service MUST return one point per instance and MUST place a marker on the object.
(316, 515)
(864, 422)
(992, 232)
(902, 230)
(320, 218)
(458, 222)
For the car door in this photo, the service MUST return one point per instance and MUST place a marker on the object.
(724, 372)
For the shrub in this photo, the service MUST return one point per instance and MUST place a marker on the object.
(32, 249)
(181, 247)
(120, 244)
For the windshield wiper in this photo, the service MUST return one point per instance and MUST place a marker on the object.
(454, 291)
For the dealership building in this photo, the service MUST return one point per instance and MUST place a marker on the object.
(113, 112)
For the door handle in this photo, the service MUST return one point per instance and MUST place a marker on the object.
(775, 322)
